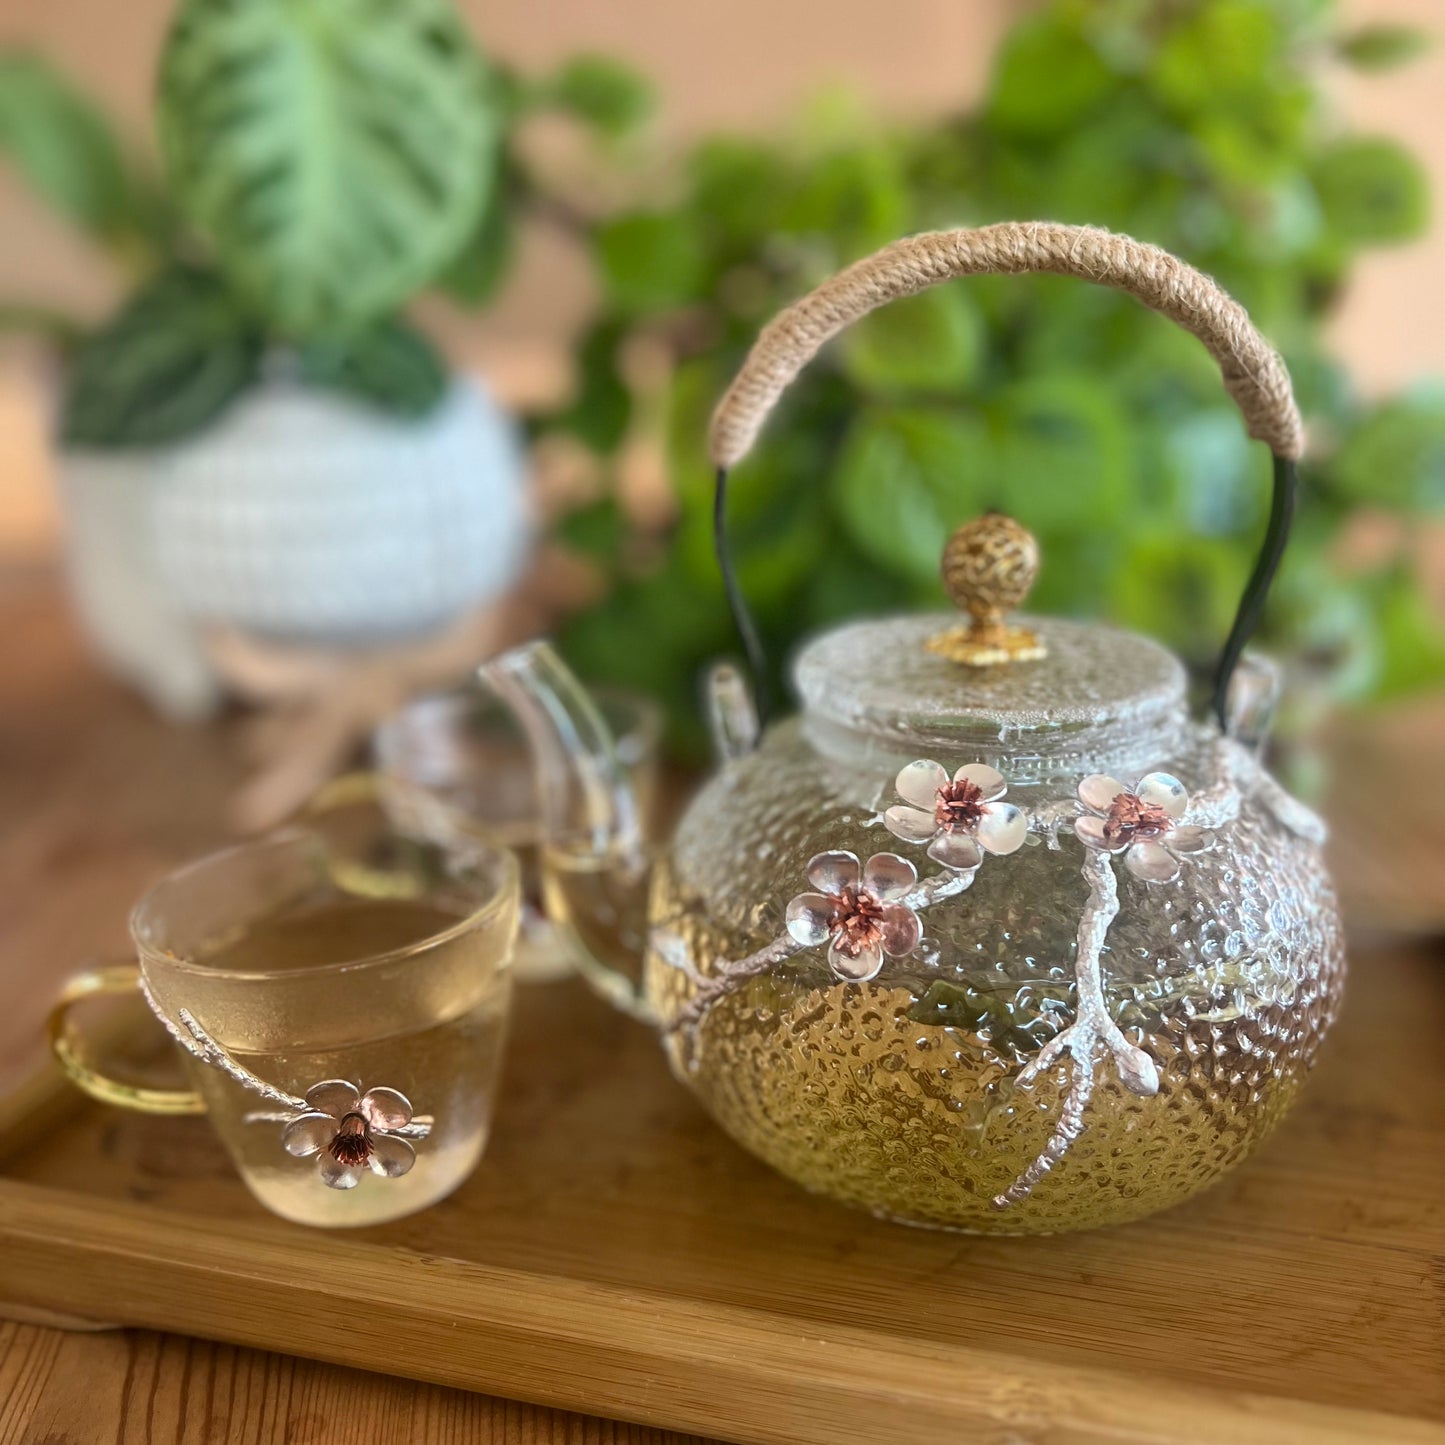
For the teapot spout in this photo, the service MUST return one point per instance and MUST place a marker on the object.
(595, 863)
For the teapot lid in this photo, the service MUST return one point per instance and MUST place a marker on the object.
(1031, 700)
(1097, 699)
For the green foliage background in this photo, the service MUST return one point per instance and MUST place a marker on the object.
(1201, 125)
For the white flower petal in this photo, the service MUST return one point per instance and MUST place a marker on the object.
(989, 781)
(1099, 790)
(912, 825)
(889, 876)
(1002, 829)
(1091, 833)
(386, 1109)
(810, 918)
(902, 932)
(957, 851)
(1163, 791)
(338, 1175)
(833, 872)
(336, 1097)
(308, 1134)
(856, 970)
(1186, 838)
(1147, 860)
(390, 1157)
(919, 783)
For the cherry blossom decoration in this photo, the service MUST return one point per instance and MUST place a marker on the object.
(960, 818)
(1141, 822)
(858, 911)
(350, 1132)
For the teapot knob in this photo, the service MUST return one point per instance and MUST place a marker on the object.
(989, 565)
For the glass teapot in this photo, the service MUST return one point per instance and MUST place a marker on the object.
(992, 935)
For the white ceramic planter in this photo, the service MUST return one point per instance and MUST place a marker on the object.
(308, 518)
(134, 623)
(300, 516)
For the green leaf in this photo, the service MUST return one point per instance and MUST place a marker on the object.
(601, 407)
(1179, 588)
(1411, 655)
(1396, 457)
(856, 197)
(63, 146)
(844, 585)
(1224, 55)
(650, 261)
(336, 153)
(776, 529)
(905, 478)
(932, 342)
(478, 269)
(1046, 78)
(1063, 452)
(1220, 473)
(1372, 191)
(654, 635)
(1382, 47)
(389, 364)
(598, 529)
(165, 366)
(741, 186)
(606, 94)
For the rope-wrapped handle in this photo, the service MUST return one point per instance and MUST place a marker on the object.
(1253, 373)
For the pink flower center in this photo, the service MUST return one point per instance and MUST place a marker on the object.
(960, 807)
(857, 921)
(1130, 818)
(352, 1145)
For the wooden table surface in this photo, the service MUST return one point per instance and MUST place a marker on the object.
(96, 798)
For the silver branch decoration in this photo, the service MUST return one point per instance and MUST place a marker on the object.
(345, 1130)
(1183, 827)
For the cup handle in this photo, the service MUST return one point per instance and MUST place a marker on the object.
(70, 1055)
(346, 790)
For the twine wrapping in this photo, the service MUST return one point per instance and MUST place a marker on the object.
(1253, 372)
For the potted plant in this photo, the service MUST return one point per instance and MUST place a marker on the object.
(258, 438)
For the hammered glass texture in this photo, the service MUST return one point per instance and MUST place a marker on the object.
(898, 1095)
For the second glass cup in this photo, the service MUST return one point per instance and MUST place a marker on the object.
(465, 750)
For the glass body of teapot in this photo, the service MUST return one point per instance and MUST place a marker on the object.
(1022, 951)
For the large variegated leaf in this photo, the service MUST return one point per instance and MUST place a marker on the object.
(336, 153)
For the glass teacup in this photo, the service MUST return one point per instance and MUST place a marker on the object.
(342, 991)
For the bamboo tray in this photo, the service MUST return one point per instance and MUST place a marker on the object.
(616, 1254)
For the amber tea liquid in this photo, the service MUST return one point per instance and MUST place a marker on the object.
(431, 1025)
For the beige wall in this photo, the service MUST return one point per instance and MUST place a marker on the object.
(744, 63)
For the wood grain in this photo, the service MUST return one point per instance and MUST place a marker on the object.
(615, 1253)
(136, 1387)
